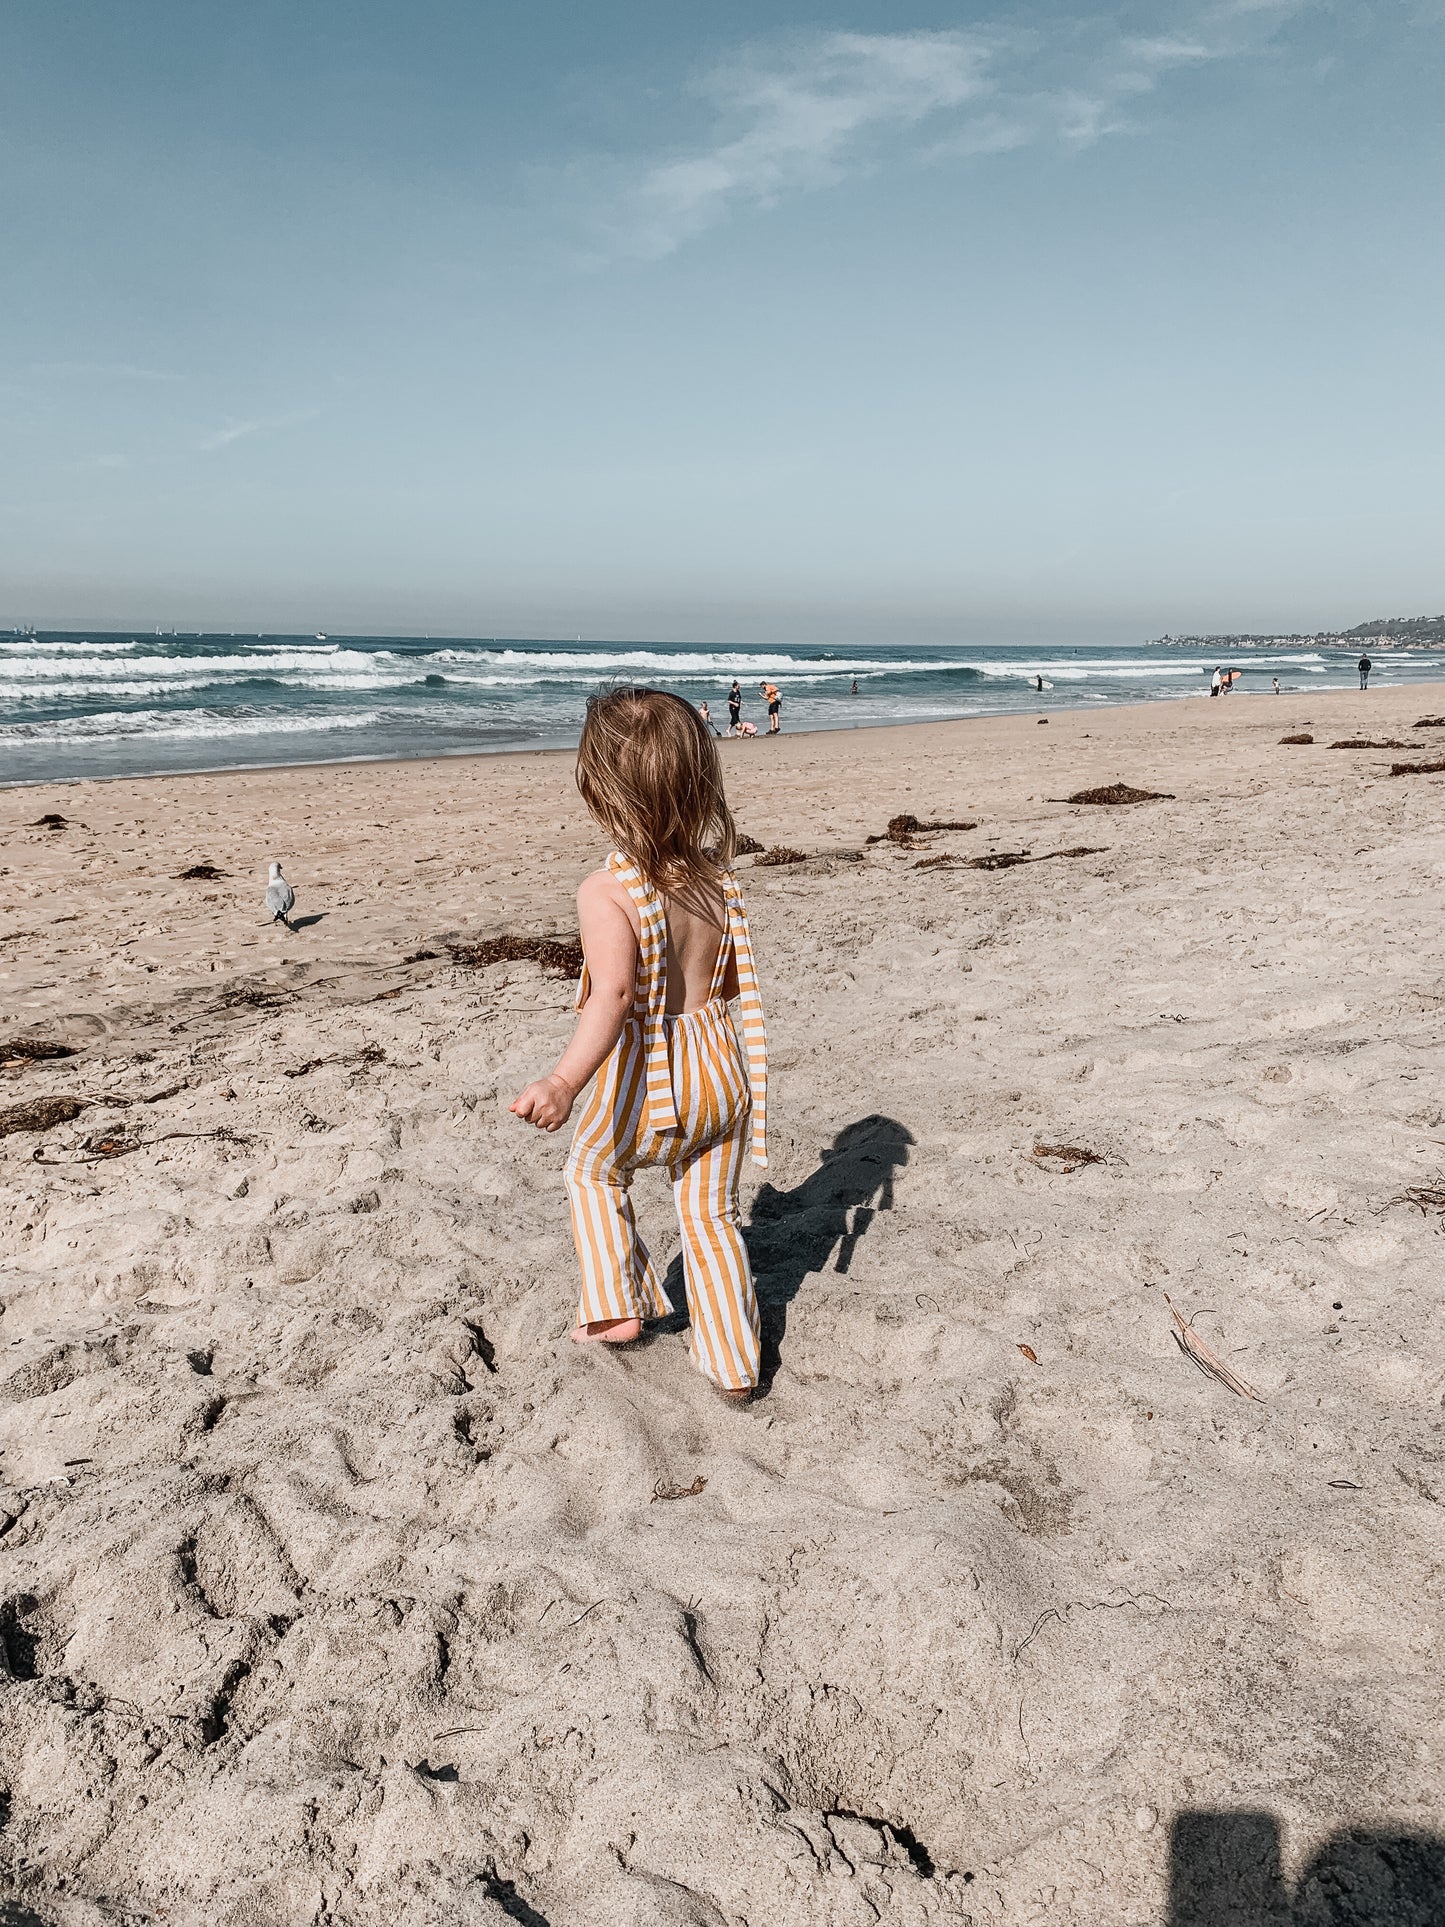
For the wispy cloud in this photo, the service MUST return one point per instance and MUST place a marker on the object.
(785, 116)
(799, 116)
(236, 431)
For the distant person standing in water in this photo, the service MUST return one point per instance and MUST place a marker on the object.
(854, 690)
(769, 693)
(1216, 682)
(1039, 684)
(735, 706)
(1364, 665)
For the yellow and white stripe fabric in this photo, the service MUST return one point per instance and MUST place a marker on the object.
(681, 1092)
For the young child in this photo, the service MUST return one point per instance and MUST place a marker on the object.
(666, 941)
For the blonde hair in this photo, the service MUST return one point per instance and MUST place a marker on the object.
(649, 772)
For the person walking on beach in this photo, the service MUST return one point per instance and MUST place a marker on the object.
(735, 706)
(1216, 682)
(1276, 685)
(666, 943)
(769, 693)
(1364, 665)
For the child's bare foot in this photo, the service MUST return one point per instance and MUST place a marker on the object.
(608, 1331)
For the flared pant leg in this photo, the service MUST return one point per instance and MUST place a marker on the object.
(721, 1300)
(619, 1279)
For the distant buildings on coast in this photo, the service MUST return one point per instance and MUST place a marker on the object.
(1388, 632)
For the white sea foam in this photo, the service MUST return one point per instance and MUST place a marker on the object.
(179, 724)
(174, 668)
(19, 645)
(753, 663)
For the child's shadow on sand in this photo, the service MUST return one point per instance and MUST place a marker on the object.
(792, 1233)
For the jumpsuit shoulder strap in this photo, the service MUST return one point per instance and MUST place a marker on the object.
(650, 999)
(750, 1004)
(651, 916)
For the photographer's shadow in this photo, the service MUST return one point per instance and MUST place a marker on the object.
(793, 1233)
(1225, 1870)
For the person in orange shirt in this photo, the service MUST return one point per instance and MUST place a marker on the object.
(769, 693)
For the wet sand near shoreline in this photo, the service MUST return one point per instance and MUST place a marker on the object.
(339, 1587)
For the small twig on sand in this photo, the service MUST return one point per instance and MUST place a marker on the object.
(1070, 1156)
(1194, 1348)
(662, 1490)
(107, 1148)
(1424, 1197)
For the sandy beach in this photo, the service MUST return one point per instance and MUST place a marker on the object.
(338, 1587)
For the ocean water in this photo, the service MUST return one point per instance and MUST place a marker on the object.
(120, 705)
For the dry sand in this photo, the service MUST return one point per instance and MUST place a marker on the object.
(336, 1587)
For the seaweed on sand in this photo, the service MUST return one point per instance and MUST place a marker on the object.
(1004, 859)
(1302, 738)
(40, 1114)
(902, 829)
(749, 845)
(252, 996)
(782, 854)
(1069, 1157)
(1431, 722)
(52, 820)
(30, 1050)
(1366, 742)
(1417, 769)
(1116, 794)
(560, 954)
(200, 873)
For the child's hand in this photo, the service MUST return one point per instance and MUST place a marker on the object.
(547, 1103)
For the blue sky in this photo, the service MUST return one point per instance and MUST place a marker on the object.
(668, 320)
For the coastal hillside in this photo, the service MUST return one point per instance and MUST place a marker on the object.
(1385, 632)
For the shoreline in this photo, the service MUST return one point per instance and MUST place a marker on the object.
(438, 758)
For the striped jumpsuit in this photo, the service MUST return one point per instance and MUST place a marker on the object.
(677, 1091)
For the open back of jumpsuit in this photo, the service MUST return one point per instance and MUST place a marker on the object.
(679, 1091)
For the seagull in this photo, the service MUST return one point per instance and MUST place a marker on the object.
(279, 897)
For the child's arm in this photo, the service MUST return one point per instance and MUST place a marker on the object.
(611, 946)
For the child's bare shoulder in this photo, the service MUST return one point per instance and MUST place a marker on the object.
(601, 893)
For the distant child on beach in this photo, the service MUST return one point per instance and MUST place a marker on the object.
(665, 936)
